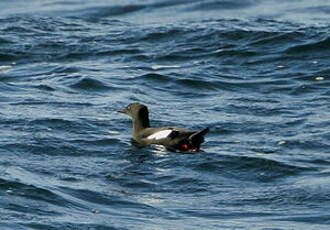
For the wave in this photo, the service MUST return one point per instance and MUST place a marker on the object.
(252, 168)
(221, 5)
(222, 41)
(32, 192)
(94, 14)
(90, 84)
(8, 57)
(312, 46)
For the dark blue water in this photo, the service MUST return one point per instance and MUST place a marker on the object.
(256, 72)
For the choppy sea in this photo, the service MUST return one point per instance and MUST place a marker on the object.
(256, 72)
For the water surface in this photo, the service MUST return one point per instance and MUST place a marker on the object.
(255, 72)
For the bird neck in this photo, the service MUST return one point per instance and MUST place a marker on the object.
(141, 121)
(139, 124)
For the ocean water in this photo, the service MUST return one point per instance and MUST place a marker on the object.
(256, 72)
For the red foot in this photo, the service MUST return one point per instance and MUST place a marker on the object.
(187, 147)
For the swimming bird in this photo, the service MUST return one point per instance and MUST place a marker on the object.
(170, 137)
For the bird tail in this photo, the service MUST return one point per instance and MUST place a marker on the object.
(198, 137)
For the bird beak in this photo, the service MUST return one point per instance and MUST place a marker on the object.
(122, 111)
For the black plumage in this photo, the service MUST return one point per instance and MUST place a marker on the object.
(171, 137)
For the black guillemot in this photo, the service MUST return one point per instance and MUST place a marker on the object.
(170, 137)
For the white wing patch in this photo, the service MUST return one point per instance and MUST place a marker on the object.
(160, 134)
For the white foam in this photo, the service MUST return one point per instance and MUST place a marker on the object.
(281, 142)
(157, 67)
(319, 78)
(160, 135)
(113, 132)
(5, 68)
